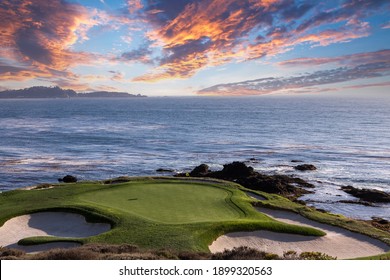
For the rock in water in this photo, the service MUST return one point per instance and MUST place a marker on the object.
(69, 179)
(305, 167)
(200, 171)
(246, 176)
(367, 194)
(237, 170)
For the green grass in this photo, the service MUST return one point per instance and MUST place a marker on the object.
(151, 213)
(172, 203)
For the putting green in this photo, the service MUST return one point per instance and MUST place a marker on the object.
(170, 202)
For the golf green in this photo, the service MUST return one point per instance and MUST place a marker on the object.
(170, 202)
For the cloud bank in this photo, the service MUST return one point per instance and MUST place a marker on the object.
(358, 66)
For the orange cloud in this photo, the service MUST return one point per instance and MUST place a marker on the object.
(206, 33)
(134, 5)
(39, 34)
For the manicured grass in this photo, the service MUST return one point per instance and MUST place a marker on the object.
(150, 212)
(172, 202)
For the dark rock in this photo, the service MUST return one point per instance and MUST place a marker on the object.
(322, 210)
(305, 167)
(238, 172)
(367, 194)
(380, 221)
(163, 170)
(296, 160)
(69, 179)
(200, 171)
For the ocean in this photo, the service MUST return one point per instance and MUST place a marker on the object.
(346, 138)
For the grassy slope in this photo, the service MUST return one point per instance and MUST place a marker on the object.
(151, 213)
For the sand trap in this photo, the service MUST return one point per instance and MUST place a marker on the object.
(256, 196)
(59, 224)
(338, 242)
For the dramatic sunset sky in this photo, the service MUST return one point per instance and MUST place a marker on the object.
(188, 47)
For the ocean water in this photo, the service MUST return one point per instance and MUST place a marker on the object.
(347, 138)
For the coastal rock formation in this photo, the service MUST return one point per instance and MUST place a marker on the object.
(200, 171)
(305, 167)
(367, 194)
(246, 176)
(68, 179)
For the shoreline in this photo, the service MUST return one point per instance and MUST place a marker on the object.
(334, 200)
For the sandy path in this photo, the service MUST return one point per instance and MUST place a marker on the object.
(338, 242)
(60, 224)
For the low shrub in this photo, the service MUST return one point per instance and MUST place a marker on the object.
(315, 256)
(244, 253)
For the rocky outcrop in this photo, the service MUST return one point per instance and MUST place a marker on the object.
(305, 167)
(200, 171)
(235, 170)
(246, 176)
(68, 179)
(369, 195)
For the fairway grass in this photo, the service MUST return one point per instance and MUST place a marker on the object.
(151, 213)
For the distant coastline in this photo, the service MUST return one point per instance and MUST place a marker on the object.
(57, 92)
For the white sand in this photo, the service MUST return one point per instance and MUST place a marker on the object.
(59, 224)
(338, 242)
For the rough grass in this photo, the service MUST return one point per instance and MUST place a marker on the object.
(152, 213)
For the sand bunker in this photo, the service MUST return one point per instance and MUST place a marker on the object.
(338, 242)
(61, 224)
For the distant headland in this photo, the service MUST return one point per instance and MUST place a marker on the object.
(57, 92)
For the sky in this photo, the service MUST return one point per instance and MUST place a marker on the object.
(197, 47)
